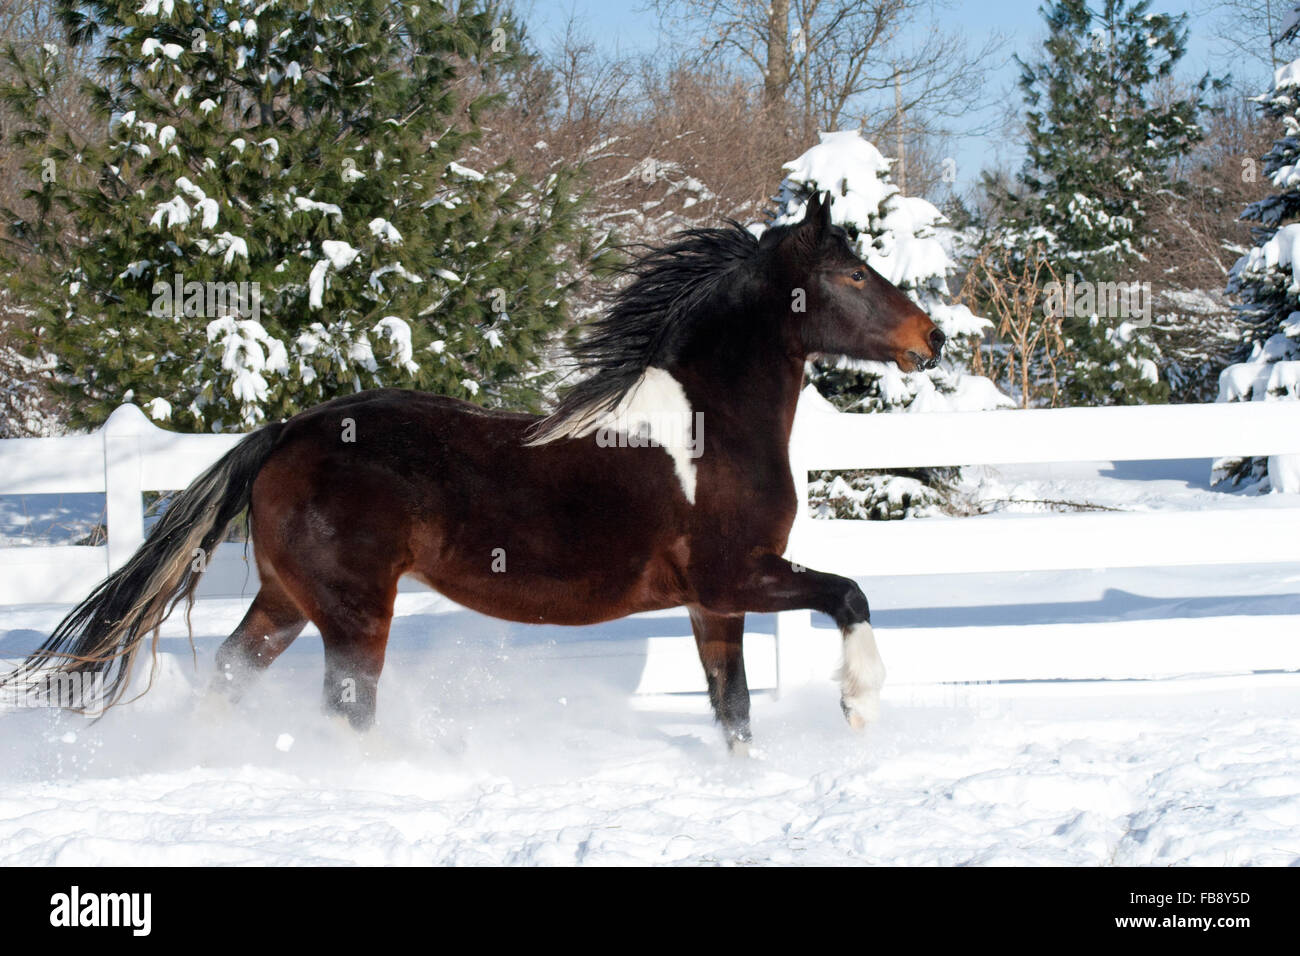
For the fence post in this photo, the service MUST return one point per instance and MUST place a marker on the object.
(123, 506)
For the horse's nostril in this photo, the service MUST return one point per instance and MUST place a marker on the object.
(937, 339)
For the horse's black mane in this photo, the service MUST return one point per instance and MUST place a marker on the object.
(648, 319)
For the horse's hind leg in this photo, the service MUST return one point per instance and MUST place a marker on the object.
(355, 634)
(268, 628)
(719, 639)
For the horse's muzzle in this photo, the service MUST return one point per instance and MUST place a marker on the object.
(937, 338)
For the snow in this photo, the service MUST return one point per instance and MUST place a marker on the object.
(465, 172)
(957, 320)
(316, 284)
(1259, 381)
(159, 409)
(395, 268)
(397, 332)
(249, 353)
(828, 165)
(152, 46)
(489, 751)
(1268, 376)
(210, 211)
(310, 205)
(338, 254)
(225, 244)
(1182, 485)
(185, 185)
(203, 204)
(1278, 252)
(1288, 75)
(971, 393)
(908, 252)
(175, 212)
(385, 231)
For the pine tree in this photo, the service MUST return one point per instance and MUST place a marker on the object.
(897, 236)
(1098, 150)
(1264, 280)
(317, 150)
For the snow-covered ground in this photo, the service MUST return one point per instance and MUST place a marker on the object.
(1182, 484)
(492, 747)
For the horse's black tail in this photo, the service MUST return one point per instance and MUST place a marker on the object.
(99, 639)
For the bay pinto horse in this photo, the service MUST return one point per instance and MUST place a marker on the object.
(605, 508)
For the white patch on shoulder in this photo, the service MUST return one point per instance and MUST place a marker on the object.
(861, 677)
(654, 412)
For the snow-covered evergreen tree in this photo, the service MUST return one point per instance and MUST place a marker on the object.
(1267, 282)
(317, 150)
(1097, 153)
(898, 236)
(25, 409)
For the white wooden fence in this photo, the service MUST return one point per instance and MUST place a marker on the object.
(127, 456)
(130, 455)
(826, 440)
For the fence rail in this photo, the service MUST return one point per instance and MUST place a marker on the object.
(130, 455)
(824, 440)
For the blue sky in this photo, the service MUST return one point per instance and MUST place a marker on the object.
(625, 26)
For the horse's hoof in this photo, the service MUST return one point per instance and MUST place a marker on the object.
(861, 710)
(861, 677)
(215, 705)
(738, 742)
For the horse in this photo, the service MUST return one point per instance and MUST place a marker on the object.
(661, 479)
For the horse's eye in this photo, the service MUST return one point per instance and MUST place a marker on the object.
(857, 275)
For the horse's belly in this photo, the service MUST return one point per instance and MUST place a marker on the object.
(550, 601)
(564, 588)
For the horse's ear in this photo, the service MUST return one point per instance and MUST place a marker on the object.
(817, 215)
(826, 214)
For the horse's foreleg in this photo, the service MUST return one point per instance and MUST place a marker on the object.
(719, 639)
(771, 584)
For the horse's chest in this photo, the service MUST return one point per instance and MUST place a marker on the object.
(744, 511)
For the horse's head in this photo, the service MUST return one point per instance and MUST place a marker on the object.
(849, 308)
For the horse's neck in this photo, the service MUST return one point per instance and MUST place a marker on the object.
(747, 401)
